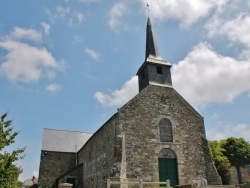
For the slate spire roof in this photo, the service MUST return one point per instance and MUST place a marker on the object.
(151, 46)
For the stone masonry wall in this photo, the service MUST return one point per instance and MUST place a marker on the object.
(127, 146)
(101, 155)
(53, 165)
(140, 119)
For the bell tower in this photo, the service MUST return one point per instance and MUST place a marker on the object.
(154, 70)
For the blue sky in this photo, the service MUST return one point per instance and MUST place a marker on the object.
(70, 64)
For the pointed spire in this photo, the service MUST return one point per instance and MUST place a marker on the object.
(151, 46)
(154, 70)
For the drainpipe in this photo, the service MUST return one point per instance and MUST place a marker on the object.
(76, 154)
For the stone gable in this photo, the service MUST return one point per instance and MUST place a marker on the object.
(128, 145)
(140, 118)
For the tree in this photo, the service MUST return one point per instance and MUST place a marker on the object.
(221, 162)
(9, 171)
(237, 150)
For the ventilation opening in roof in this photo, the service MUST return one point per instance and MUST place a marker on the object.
(159, 70)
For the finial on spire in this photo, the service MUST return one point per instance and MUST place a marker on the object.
(147, 8)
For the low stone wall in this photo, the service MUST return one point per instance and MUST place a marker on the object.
(211, 186)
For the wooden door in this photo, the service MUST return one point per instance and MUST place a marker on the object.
(168, 170)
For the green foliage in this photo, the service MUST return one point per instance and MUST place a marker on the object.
(224, 170)
(19, 184)
(204, 145)
(9, 172)
(221, 162)
(237, 150)
(248, 182)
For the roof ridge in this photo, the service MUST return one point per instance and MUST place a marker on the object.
(66, 130)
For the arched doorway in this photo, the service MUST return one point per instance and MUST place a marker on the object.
(167, 162)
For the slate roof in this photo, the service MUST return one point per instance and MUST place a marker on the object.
(151, 46)
(63, 140)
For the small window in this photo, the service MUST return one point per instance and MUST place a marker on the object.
(143, 75)
(159, 70)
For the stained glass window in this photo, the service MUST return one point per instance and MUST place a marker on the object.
(166, 130)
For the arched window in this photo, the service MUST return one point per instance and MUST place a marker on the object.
(166, 130)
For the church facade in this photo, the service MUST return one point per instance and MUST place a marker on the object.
(155, 136)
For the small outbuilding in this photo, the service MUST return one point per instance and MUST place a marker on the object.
(27, 183)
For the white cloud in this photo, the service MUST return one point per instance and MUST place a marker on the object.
(93, 54)
(206, 77)
(116, 13)
(77, 39)
(236, 29)
(240, 130)
(75, 18)
(24, 62)
(23, 33)
(62, 11)
(46, 28)
(119, 97)
(79, 16)
(70, 15)
(203, 77)
(54, 88)
(186, 12)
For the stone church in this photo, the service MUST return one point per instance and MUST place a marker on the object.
(155, 136)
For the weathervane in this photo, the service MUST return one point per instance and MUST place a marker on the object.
(147, 8)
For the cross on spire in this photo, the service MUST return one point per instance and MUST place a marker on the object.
(147, 8)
